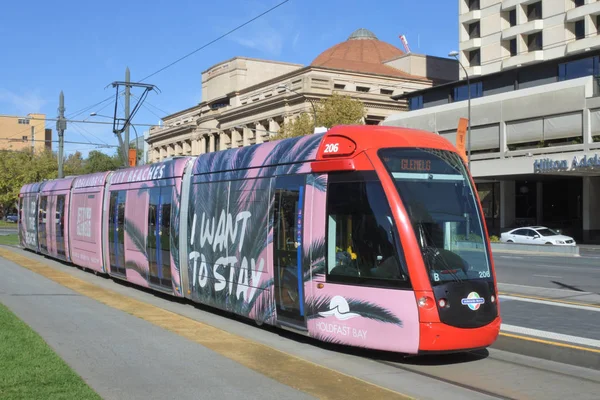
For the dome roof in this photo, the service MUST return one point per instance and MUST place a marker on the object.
(361, 52)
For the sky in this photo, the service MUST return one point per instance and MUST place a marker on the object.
(82, 47)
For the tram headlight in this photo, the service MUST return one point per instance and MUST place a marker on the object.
(426, 302)
(493, 299)
(443, 303)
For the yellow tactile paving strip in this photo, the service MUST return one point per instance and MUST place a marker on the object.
(308, 377)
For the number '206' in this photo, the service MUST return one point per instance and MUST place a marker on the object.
(332, 147)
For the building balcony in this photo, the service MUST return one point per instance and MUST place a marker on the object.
(472, 71)
(582, 45)
(523, 59)
(470, 44)
(471, 16)
(523, 29)
(580, 12)
(509, 4)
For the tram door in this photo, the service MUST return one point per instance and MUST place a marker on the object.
(287, 247)
(116, 232)
(60, 226)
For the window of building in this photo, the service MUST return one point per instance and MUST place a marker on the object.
(415, 103)
(473, 5)
(462, 92)
(207, 144)
(579, 3)
(512, 17)
(534, 11)
(513, 47)
(578, 68)
(363, 247)
(579, 29)
(475, 58)
(339, 86)
(474, 30)
(534, 41)
(23, 121)
(24, 138)
(386, 91)
(362, 89)
(217, 142)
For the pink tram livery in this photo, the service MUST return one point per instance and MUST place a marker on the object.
(366, 236)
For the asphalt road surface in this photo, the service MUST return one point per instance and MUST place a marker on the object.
(581, 274)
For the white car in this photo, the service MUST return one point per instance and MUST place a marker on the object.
(536, 235)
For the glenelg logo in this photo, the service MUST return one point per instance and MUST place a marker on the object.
(473, 301)
(339, 308)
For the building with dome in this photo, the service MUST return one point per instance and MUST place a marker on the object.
(246, 100)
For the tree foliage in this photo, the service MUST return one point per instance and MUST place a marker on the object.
(18, 168)
(334, 110)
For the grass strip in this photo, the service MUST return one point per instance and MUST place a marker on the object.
(30, 369)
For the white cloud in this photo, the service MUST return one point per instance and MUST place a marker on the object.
(263, 38)
(28, 102)
(295, 40)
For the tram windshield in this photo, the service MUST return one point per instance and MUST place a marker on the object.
(438, 197)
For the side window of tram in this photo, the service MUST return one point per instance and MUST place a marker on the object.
(361, 233)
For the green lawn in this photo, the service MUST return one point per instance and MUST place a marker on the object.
(5, 224)
(29, 369)
(9, 239)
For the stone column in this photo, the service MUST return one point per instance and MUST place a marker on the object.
(259, 133)
(236, 138)
(507, 204)
(249, 137)
(273, 129)
(224, 140)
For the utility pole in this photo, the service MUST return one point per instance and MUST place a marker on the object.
(127, 94)
(61, 126)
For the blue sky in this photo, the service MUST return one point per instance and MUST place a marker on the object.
(81, 47)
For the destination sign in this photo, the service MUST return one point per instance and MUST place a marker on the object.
(415, 165)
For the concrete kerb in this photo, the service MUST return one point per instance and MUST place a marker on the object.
(537, 249)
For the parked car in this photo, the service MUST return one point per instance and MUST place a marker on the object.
(536, 235)
(11, 218)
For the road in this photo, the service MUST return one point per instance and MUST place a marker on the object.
(125, 354)
(580, 274)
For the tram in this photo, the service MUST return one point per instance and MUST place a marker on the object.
(366, 236)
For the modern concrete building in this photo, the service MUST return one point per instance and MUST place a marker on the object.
(245, 100)
(28, 132)
(497, 35)
(535, 111)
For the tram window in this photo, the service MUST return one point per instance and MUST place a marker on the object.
(361, 235)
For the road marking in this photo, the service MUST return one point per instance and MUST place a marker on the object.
(544, 335)
(551, 302)
(548, 276)
(565, 291)
(513, 257)
(293, 371)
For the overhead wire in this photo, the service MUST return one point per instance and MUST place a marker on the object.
(216, 40)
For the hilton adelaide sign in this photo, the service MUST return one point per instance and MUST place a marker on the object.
(578, 163)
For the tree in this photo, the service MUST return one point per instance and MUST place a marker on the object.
(18, 168)
(334, 110)
(74, 164)
(100, 162)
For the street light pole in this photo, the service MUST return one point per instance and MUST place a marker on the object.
(455, 55)
(309, 100)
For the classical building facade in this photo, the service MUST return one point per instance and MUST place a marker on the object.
(25, 132)
(246, 101)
